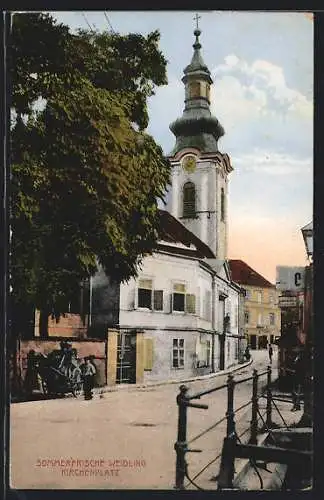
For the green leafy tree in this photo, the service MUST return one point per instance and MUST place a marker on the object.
(85, 175)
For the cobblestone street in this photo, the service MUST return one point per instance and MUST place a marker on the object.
(135, 426)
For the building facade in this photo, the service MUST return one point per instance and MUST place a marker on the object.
(179, 303)
(184, 302)
(262, 317)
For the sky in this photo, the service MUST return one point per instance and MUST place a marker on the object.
(262, 67)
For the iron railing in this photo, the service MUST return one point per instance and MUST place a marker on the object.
(232, 439)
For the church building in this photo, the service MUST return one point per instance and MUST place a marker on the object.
(180, 318)
(183, 316)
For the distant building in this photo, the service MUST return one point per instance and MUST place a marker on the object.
(261, 310)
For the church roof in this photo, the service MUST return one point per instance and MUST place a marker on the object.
(172, 231)
(243, 274)
(197, 127)
(197, 64)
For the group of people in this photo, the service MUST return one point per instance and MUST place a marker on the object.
(88, 369)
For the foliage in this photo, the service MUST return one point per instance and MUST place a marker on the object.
(85, 175)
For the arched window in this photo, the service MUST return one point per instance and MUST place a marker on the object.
(222, 204)
(189, 200)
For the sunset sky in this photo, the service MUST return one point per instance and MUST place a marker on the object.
(262, 67)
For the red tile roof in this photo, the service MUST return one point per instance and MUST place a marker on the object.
(172, 231)
(243, 274)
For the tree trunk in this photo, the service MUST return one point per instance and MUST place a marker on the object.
(43, 323)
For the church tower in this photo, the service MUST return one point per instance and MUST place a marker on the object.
(198, 195)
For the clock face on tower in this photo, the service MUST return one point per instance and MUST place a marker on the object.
(189, 164)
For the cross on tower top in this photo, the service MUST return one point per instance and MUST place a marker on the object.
(196, 18)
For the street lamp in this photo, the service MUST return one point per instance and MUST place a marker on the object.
(307, 232)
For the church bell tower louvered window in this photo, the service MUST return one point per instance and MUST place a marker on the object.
(189, 200)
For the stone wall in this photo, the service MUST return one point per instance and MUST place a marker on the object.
(68, 325)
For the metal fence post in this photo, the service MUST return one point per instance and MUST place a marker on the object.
(230, 406)
(269, 397)
(254, 420)
(181, 444)
(226, 472)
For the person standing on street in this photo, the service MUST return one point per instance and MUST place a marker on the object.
(298, 380)
(270, 353)
(89, 372)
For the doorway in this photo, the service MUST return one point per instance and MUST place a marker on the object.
(253, 341)
(126, 357)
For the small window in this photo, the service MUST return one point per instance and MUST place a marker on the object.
(247, 317)
(259, 297)
(272, 318)
(260, 319)
(189, 200)
(145, 294)
(222, 204)
(178, 353)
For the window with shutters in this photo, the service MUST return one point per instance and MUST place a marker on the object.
(178, 352)
(179, 297)
(145, 288)
(147, 297)
(182, 301)
(189, 200)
